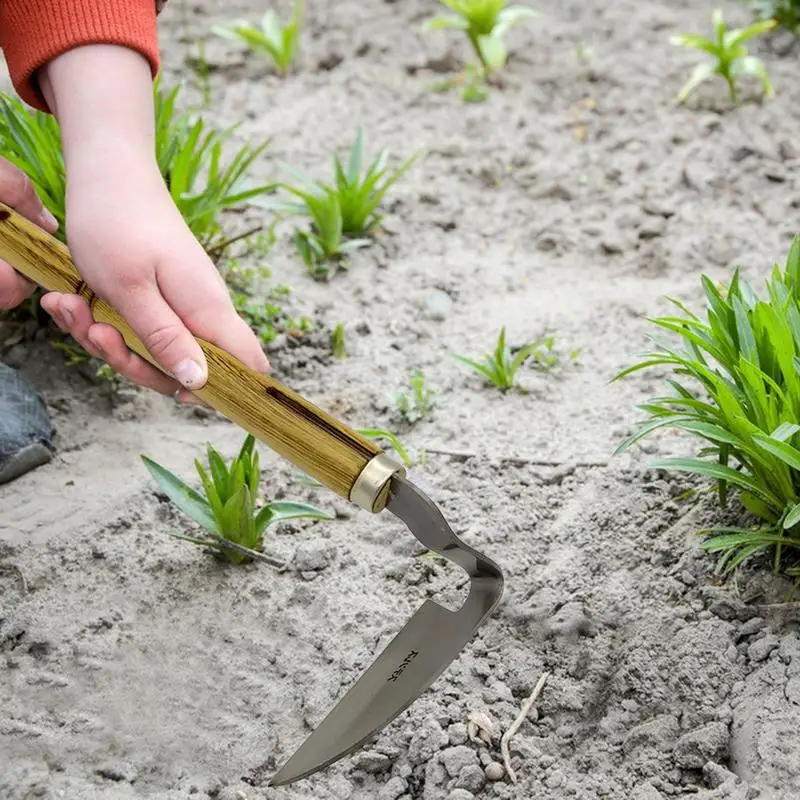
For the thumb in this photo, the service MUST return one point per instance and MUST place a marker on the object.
(164, 335)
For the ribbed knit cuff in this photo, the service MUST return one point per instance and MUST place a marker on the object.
(34, 32)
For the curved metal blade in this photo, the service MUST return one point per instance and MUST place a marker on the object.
(416, 657)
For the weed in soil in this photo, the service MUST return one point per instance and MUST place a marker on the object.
(485, 23)
(344, 212)
(745, 358)
(226, 509)
(275, 41)
(731, 60)
(500, 367)
(338, 343)
(421, 400)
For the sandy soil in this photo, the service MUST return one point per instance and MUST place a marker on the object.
(572, 201)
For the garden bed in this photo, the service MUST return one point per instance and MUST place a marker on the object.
(570, 202)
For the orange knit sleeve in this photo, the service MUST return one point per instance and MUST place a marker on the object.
(34, 32)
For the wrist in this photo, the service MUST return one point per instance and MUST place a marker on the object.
(102, 97)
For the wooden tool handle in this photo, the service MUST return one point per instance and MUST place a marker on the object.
(290, 425)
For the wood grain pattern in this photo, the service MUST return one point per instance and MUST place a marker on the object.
(311, 439)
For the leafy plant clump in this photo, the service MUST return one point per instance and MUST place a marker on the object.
(785, 13)
(188, 152)
(420, 402)
(500, 367)
(730, 57)
(743, 361)
(275, 40)
(485, 22)
(226, 508)
(343, 212)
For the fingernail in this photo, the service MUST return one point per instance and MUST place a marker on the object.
(67, 316)
(190, 374)
(48, 219)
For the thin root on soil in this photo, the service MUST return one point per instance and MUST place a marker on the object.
(514, 460)
(509, 734)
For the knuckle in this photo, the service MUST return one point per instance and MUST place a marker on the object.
(162, 340)
(18, 186)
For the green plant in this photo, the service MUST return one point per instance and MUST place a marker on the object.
(485, 22)
(276, 40)
(188, 151)
(200, 69)
(31, 140)
(338, 344)
(731, 60)
(344, 211)
(744, 360)
(324, 248)
(500, 367)
(226, 509)
(189, 154)
(420, 402)
(785, 13)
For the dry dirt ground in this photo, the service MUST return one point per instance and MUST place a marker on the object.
(571, 202)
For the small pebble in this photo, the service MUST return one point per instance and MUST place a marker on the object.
(495, 771)
(438, 304)
(471, 778)
(372, 762)
(460, 794)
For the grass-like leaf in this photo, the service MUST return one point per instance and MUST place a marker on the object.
(275, 40)
(226, 507)
(744, 361)
(730, 57)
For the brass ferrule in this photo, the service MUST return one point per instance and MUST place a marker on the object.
(371, 488)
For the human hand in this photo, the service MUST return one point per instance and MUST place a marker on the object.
(127, 238)
(17, 191)
(134, 251)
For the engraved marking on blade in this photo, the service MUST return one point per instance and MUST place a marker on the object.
(403, 666)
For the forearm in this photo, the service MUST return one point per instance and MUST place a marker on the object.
(102, 96)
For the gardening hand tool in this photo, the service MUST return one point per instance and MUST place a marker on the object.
(346, 463)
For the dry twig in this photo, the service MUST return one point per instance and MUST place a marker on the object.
(509, 734)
